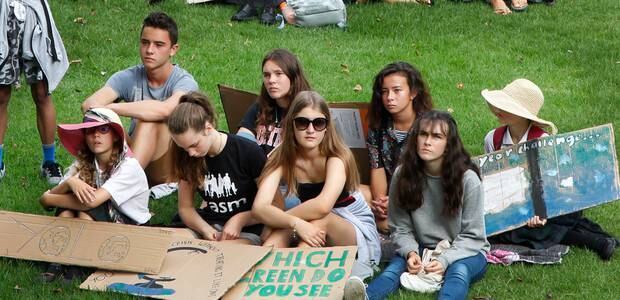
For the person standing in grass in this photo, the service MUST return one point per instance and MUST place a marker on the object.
(105, 183)
(399, 94)
(436, 194)
(516, 107)
(151, 91)
(222, 168)
(30, 43)
(317, 167)
(283, 79)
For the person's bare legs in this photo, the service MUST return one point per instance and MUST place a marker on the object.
(339, 231)
(5, 96)
(150, 144)
(279, 238)
(46, 113)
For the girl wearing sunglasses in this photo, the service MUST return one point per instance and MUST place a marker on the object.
(105, 183)
(399, 95)
(220, 167)
(318, 168)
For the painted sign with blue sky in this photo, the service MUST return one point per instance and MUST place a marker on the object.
(549, 176)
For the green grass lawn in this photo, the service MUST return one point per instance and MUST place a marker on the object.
(571, 50)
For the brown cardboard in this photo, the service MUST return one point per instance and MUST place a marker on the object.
(297, 273)
(236, 102)
(193, 269)
(85, 243)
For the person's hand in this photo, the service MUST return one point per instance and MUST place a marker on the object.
(536, 221)
(435, 267)
(309, 233)
(414, 263)
(209, 233)
(289, 15)
(379, 207)
(231, 229)
(82, 190)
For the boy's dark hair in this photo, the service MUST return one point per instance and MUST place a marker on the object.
(161, 20)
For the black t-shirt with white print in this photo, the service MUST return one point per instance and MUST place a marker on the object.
(230, 183)
(267, 136)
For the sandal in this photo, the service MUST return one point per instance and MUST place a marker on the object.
(53, 272)
(500, 8)
(518, 5)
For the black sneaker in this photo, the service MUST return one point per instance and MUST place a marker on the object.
(76, 273)
(608, 246)
(268, 17)
(54, 271)
(52, 171)
(246, 12)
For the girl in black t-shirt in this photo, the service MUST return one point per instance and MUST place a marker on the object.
(222, 168)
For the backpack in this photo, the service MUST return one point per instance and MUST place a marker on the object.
(319, 12)
(534, 133)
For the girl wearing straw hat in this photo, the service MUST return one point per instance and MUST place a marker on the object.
(516, 107)
(104, 183)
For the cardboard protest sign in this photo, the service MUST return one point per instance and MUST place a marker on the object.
(80, 242)
(297, 273)
(348, 117)
(193, 269)
(548, 177)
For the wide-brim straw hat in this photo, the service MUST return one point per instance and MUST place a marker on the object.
(72, 135)
(522, 98)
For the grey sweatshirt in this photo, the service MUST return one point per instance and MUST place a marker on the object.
(427, 226)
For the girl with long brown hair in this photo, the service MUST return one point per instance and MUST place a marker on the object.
(317, 167)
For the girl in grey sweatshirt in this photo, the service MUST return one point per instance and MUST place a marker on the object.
(436, 194)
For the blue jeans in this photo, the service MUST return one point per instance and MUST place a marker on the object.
(457, 278)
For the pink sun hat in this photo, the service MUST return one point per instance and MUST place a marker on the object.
(72, 135)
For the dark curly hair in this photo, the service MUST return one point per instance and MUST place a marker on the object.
(378, 116)
(456, 160)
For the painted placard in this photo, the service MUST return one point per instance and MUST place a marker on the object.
(193, 269)
(549, 176)
(297, 273)
(84, 243)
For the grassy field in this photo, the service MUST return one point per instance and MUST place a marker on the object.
(571, 51)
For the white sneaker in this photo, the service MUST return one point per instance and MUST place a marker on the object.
(162, 190)
(355, 289)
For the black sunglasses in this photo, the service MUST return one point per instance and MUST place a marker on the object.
(302, 123)
(103, 129)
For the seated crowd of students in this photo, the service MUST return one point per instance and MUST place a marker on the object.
(286, 178)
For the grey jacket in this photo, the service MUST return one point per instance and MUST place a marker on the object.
(41, 39)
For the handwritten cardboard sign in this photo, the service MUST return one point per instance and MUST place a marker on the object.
(193, 269)
(297, 273)
(84, 243)
(549, 176)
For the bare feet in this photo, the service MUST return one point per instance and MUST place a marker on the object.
(518, 5)
(500, 8)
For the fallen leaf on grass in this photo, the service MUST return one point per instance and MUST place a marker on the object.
(345, 68)
(79, 20)
(460, 85)
(357, 88)
(103, 73)
(75, 61)
(549, 295)
(519, 279)
(230, 24)
(450, 110)
(93, 12)
(57, 290)
(17, 288)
